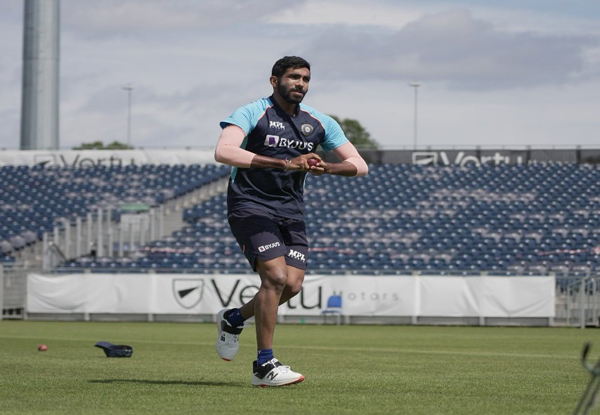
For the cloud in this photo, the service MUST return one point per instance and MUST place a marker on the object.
(110, 18)
(318, 13)
(159, 119)
(458, 50)
(489, 71)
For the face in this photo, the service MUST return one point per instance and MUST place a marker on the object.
(293, 84)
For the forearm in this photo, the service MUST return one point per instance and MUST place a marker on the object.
(344, 168)
(264, 162)
(352, 163)
(229, 151)
(233, 155)
(238, 157)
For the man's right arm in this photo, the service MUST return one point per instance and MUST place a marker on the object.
(229, 151)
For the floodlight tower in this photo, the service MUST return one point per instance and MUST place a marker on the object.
(129, 89)
(39, 104)
(416, 86)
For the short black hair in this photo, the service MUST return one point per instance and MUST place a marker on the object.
(288, 62)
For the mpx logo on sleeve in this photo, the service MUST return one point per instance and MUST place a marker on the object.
(188, 292)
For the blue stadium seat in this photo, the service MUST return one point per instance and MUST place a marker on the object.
(503, 220)
(32, 198)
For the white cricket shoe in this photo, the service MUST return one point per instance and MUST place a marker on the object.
(273, 373)
(228, 338)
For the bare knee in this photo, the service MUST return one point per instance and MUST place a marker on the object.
(273, 277)
(294, 282)
(294, 288)
(276, 279)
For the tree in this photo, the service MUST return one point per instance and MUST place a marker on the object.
(99, 145)
(356, 133)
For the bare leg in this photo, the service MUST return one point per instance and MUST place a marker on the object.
(273, 276)
(295, 278)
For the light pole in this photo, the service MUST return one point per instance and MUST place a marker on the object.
(129, 89)
(416, 86)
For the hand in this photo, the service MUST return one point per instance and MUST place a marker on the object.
(301, 163)
(319, 169)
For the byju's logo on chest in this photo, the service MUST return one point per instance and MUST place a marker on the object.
(276, 124)
(272, 141)
(276, 141)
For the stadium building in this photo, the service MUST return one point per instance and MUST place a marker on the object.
(479, 237)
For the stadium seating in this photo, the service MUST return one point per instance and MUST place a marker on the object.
(32, 198)
(404, 219)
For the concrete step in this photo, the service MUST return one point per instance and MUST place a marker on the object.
(32, 256)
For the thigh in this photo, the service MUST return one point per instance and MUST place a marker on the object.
(259, 237)
(294, 236)
(272, 271)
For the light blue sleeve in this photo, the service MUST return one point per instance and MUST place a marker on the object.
(334, 135)
(247, 117)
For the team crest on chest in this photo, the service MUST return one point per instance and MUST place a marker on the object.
(306, 129)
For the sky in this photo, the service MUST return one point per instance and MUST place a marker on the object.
(495, 74)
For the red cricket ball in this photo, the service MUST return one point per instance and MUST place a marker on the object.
(42, 347)
(313, 162)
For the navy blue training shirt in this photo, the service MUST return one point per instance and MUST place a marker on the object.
(271, 132)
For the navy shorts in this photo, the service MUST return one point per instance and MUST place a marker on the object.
(267, 237)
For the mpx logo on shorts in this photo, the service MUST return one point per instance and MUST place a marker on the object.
(296, 255)
(268, 246)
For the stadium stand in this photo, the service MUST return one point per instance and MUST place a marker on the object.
(403, 219)
(33, 198)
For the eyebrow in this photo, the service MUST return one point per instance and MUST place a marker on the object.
(297, 75)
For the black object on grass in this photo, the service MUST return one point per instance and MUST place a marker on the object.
(113, 350)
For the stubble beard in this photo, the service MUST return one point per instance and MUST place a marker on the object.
(287, 95)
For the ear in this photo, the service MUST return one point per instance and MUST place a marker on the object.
(273, 80)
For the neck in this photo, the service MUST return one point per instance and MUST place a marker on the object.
(288, 107)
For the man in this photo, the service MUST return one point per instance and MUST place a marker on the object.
(271, 145)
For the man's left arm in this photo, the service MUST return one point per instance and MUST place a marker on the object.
(351, 163)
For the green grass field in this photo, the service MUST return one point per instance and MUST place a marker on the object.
(348, 369)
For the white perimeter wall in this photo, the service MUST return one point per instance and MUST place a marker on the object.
(414, 296)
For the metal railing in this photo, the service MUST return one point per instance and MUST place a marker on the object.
(103, 233)
(13, 291)
(577, 301)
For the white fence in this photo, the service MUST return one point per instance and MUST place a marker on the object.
(372, 299)
(365, 299)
